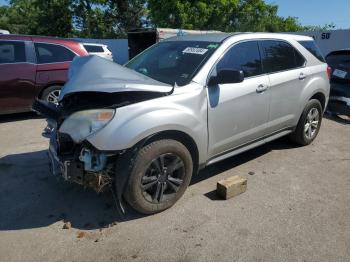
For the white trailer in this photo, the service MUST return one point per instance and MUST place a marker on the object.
(329, 41)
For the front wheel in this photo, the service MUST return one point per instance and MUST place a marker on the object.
(161, 173)
(309, 124)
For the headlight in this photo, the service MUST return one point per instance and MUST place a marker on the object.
(84, 123)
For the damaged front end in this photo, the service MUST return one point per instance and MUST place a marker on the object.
(78, 116)
(81, 163)
(88, 102)
(71, 156)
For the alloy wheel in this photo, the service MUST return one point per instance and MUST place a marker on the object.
(163, 178)
(53, 96)
(312, 123)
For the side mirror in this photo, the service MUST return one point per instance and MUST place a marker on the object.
(227, 76)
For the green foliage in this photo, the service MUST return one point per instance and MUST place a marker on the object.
(88, 18)
(223, 15)
(125, 14)
(68, 18)
(54, 18)
(113, 18)
(37, 17)
(198, 14)
(325, 27)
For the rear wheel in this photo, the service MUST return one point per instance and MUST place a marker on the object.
(309, 124)
(51, 94)
(161, 173)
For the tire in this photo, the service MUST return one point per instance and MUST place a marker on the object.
(302, 135)
(146, 183)
(51, 94)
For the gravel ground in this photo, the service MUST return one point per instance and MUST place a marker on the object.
(296, 207)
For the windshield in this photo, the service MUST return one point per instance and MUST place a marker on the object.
(173, 62)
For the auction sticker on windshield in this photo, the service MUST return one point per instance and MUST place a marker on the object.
(195, 50)
(339, 73)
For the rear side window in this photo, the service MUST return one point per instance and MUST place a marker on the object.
(12, 52)
(51, 53)
(313, 49)
(94, 49)
(280, 56)
(243, 56)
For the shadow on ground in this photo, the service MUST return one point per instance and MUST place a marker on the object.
(344, 120)
(30, 197)
(18, 117)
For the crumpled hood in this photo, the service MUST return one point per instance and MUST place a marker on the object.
(96, 74)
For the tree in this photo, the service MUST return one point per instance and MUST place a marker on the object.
(89, 18)
(198, 14)
(107, 18)
(325, 27)
(126, 14)
(37, 17)
(223, 15)
(114, 18)
(53, 18)
(19, 17)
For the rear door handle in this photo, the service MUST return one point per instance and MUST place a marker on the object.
(261, 88)
(302, 76)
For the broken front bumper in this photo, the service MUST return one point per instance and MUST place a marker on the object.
(81, 163)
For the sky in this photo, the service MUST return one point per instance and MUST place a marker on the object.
(312, 12)
(316, 12)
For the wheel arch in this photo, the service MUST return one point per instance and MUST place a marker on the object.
(181, 137)
(321, 98)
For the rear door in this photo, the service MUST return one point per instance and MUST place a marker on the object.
(285, 67)
(238, 113)
(17, 77)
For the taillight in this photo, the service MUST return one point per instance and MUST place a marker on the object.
(329, 72)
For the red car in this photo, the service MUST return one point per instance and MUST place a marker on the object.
(33, 66)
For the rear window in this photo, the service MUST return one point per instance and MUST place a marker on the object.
(12, 52)
(51, 53)
(280, 56)
(313, 49)
(94, 49)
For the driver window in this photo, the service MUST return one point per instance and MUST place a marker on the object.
(243, 56)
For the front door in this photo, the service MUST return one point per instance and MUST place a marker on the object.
(238, 113)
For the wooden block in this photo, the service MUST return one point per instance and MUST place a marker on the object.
(231, 187)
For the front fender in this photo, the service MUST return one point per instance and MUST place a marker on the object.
(135, 122)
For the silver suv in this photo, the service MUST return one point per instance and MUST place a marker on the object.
(145, 128)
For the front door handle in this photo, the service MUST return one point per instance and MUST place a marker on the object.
(261, 88)
(302, 76)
